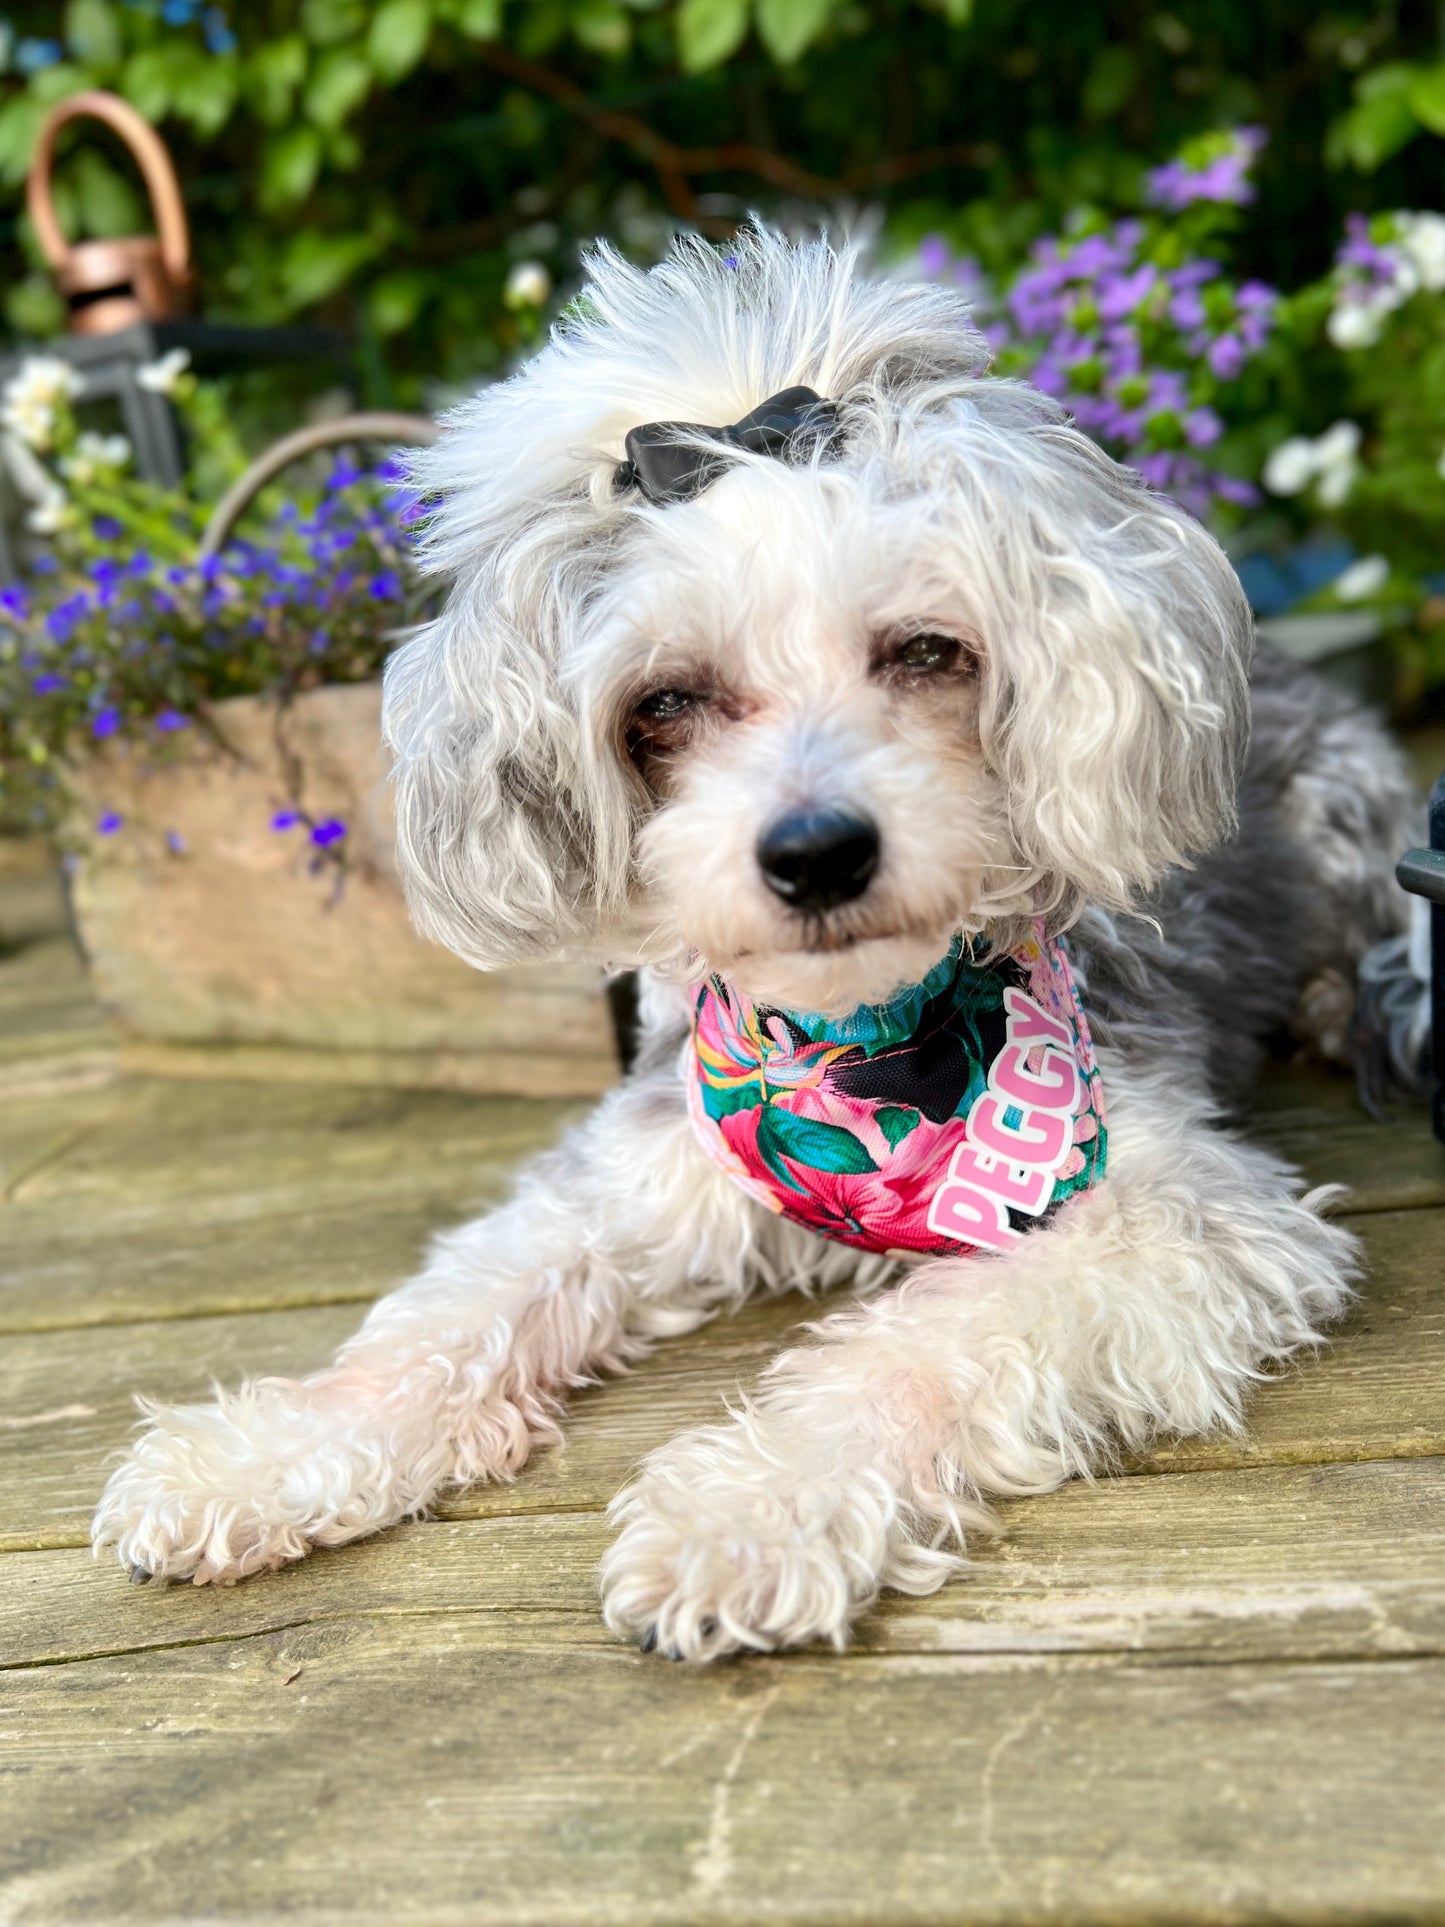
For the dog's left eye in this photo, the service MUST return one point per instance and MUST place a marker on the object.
(926, 652)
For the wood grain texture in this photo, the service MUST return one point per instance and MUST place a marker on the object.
(1292, 1562)
(493, 1769)
(151, 1200)
(199, 1147)
(52, 1034)
(1377, 1390)
(1315, 1119)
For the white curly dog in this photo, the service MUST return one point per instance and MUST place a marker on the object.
(897, 668)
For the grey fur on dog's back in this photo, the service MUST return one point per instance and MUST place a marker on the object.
(1257, 941)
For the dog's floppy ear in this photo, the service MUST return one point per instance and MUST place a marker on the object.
(497, 816)
(1121, 710)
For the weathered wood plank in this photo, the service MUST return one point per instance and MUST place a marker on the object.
(1378, 1392)
(1314, 1118)
(1319, 1562)
(63, 1605)
(66, 1401)
(38, 1131)
(52, 1036)
(287, 1147)
(152, 1201)
(181, 1268)
(1302, 1562)
(482, 1769)
(491, 1073)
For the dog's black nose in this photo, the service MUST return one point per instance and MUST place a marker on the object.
(817, 859)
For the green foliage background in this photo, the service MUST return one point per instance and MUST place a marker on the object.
(381, 165)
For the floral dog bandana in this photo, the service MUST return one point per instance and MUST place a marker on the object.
(954, 1117)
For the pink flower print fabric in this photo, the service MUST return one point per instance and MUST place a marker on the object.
(952, 1119)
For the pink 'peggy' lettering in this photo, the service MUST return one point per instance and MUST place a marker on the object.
(1012, 1165)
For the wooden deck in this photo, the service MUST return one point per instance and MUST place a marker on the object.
(1210, 1690)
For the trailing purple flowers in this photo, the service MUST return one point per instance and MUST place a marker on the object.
(119, 642)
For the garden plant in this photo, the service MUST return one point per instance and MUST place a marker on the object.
(1207, 231)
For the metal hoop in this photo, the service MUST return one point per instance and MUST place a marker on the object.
(415, 431)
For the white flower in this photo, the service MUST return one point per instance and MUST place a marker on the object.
(1362, 579)
(1331, 462)
(50, 514)
(528, 285)
(1335, 484)
(1422, 237)
(1340, 443)
(161, 376)
(1356, 324)
(1291, 467)
(95, 455)
(32, 396)
(1337, 462)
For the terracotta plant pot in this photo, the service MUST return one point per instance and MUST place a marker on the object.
(202, 924)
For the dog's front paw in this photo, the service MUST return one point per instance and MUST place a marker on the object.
(199, 1496)
(724, 1550)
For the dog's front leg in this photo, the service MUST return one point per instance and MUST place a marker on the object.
(622, 1234)
(1148, 1306)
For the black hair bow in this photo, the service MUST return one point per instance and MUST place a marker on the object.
(789, 426)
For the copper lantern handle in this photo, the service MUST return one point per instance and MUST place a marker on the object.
(149, 152)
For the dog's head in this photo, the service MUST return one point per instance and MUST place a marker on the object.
(949, 669)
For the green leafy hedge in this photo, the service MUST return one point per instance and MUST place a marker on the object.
(384, 166)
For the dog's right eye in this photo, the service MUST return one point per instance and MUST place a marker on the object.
(666, 705)
(660, 724)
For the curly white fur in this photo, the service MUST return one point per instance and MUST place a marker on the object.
(1096, 742)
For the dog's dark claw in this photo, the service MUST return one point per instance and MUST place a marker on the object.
(648, 1642)
(140, 1575)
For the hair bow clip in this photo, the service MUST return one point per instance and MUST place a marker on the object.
(789, 426)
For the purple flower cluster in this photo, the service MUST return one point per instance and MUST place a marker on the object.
(1134, 334)
(1215, 169)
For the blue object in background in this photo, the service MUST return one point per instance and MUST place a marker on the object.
(1275, 582)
